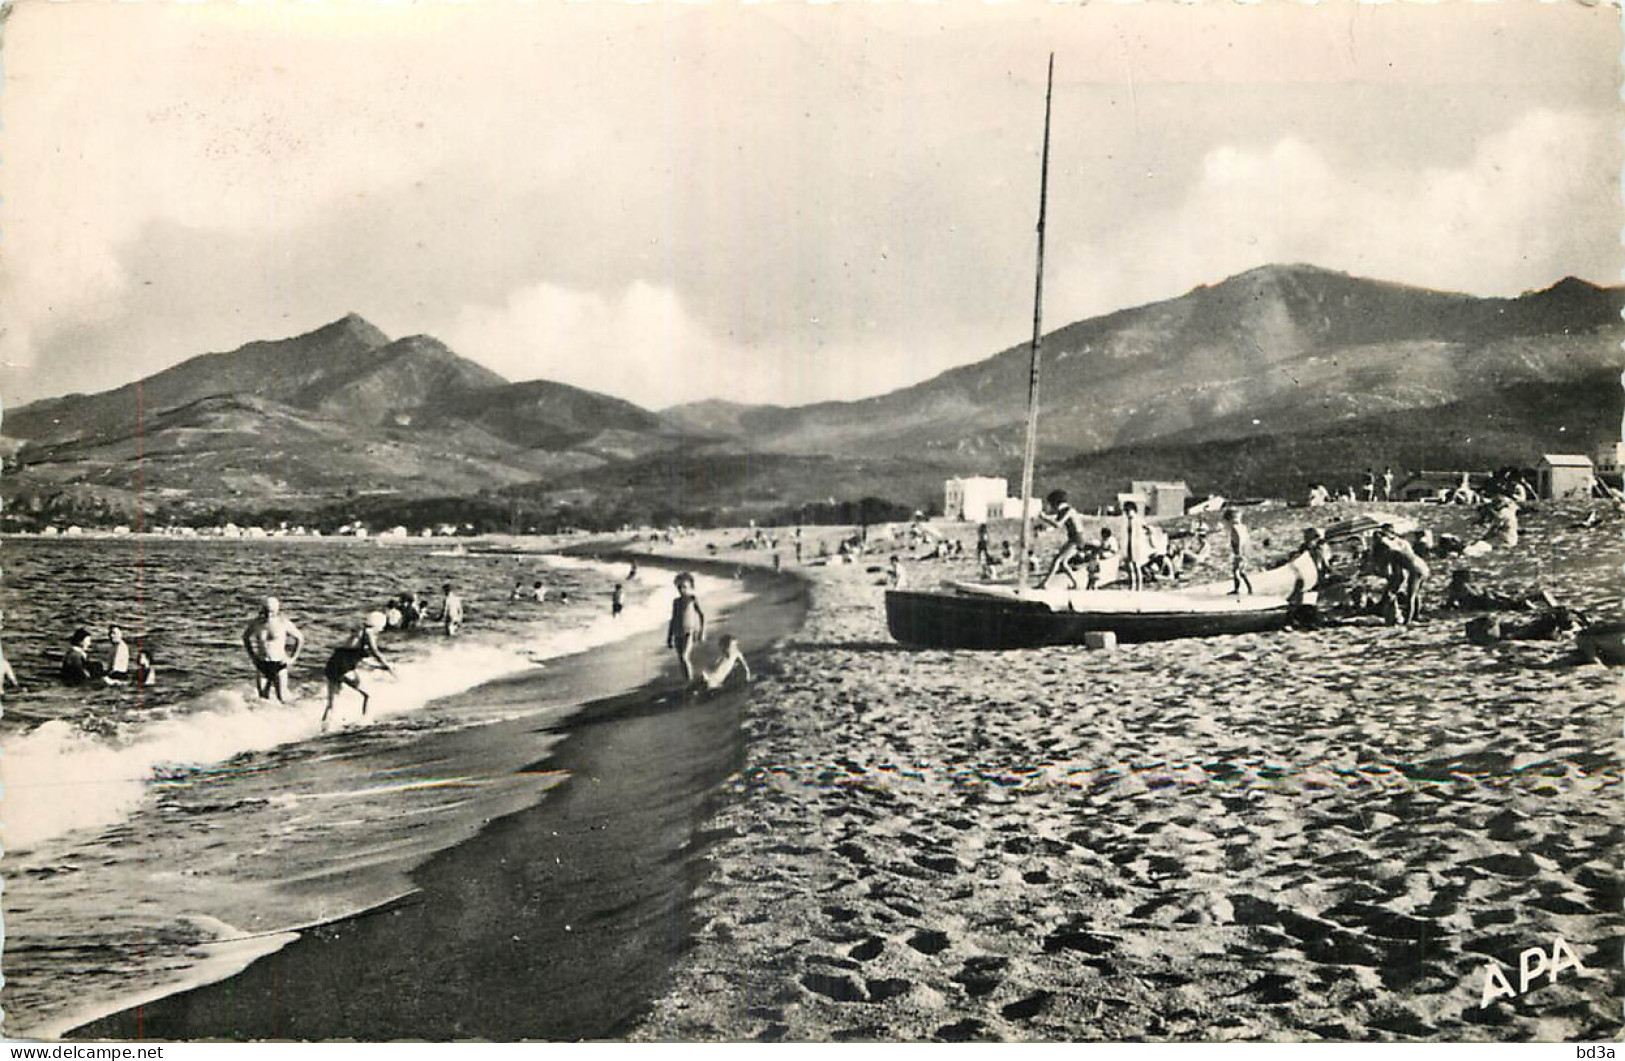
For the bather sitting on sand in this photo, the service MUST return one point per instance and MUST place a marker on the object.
(717, 675)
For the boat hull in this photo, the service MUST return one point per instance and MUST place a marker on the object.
(927, 619)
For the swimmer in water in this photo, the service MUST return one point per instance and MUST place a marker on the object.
(344, 665)
(451, 611)
(272, 643)
(116, 668)
(6, 673)
(76, 665)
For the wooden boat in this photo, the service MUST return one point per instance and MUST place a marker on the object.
(981, 616)
(966, 615)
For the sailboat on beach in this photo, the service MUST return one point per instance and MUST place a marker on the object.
(999, 615)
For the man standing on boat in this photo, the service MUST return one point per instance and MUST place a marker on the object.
(1058, 513)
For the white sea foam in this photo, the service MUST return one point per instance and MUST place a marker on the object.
(58, 778)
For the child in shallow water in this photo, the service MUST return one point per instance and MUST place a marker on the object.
(687, 626)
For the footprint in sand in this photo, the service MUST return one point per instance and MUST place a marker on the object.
(1507, 865)
(868, 950)
(839, 986)
(1029, 1007)
(881, 990)
(1075, 937)
(1271, 989)
(981, 975)
(961, 1031)
(938, 863)
(929, 941)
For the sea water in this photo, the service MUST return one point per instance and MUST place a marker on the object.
(166, 836)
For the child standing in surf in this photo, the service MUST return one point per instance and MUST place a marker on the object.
(687, 627)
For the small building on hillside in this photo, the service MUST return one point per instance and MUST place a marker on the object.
(976, 498)
(1562, 475)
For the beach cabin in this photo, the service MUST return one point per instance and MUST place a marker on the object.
(1160, 497)
(1562, 475)
(971, 497)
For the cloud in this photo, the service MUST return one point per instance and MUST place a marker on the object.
(640, 343)
(1528, 196)
(784, 204)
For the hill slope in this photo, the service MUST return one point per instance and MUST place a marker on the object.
(336, 412)
(1294, 347)
(1273, 377)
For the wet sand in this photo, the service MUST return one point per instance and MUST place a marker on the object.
(557, 922)
(1320, 834)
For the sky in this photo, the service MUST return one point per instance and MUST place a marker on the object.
(763, 202)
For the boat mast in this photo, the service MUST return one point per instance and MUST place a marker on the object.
(1038, 339)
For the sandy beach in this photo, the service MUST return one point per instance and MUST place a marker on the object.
(1323, 834)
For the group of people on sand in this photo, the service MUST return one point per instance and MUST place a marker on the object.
(115, 667)
(1141, 551)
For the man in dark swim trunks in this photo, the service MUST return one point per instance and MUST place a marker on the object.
(272, 643)
(344, 665)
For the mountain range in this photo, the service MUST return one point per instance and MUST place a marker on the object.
(1289, 372)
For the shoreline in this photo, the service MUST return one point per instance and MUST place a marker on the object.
(555, 922)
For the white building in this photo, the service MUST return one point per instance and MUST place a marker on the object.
(971, 497)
